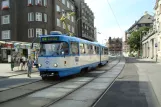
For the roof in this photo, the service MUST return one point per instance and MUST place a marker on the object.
(143, 20)
(146, 19)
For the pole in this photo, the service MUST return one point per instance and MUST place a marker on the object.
(156, 55)
(140, 45)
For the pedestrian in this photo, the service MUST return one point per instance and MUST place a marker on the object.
(29, 65)
(21, 63)
(24, 62)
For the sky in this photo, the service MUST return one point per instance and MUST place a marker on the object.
(126, 12)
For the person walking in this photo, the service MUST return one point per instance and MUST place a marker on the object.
(21, 63)
(29, 65)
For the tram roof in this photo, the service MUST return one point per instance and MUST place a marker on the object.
(72, 38)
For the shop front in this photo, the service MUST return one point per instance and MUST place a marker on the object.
(6, 50)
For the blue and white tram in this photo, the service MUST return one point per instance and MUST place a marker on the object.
(63, 55)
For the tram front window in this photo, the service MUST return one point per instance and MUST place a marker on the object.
(54, 49)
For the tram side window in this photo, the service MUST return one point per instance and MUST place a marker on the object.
(97, 50)
(102, 51)
(74, 48)
(91, 49)
(65, 48)
(106, 51)
(94, 50)
(86, 49)
(82, 48)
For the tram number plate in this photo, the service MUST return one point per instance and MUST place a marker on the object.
(76, 59)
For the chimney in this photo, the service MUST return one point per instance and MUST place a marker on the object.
(146, 12)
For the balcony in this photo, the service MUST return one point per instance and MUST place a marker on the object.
(5, 7)
(30, 4)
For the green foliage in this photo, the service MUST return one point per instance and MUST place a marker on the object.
(135, 38)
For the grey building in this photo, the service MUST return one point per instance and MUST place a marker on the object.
(24, 20)
(145, 20)
(85, 20)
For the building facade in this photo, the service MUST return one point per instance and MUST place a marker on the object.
(85, 20)
(24, 20)
(145, 20)
(151, 41)
(114, 45)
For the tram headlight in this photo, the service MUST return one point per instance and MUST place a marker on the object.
(55, 65)
(39, 65)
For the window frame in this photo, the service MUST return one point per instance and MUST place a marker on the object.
(39, 2)
(3, 19)
(64, 2)
(38, 30)
(45, 17)
(38, 15)
(30, 2)
(45, 2)
(31, 31)
(68, 4)
(71, 53)
(58, 22)
(31, 16)
(45, 31)
(58, 8)
(9, 34)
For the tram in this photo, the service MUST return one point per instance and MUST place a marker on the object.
(62, 55)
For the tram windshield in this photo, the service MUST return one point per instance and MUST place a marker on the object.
(54, 49)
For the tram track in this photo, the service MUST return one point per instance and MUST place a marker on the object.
(28, 83)
(55, 101)
(50, 85)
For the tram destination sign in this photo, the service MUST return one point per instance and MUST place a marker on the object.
(49, 39)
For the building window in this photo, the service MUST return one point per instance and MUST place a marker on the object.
(69, 28)
(6, 34)
(5, 4)
(38, 16)
(73, 29)
(58, 23)
(68, 4)
(45, 17)
(38, 32)
(30, 2)
(6, 19)
(72, 7)
(31, 16)
(30, 33)
(63, 26)
(72, 18)
(68, 16)
(63, 1)
(45, 32)
(45, 2)
(38, 2)
(57, 8)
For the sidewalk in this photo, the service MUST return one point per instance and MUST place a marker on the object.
(133, 86)
(5, 70)
(154, 60)
(152, 71)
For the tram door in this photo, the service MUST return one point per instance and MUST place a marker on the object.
(74, 49)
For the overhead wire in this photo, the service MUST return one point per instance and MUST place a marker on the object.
(114, 16)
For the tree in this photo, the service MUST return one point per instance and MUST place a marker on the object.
(134, 39)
